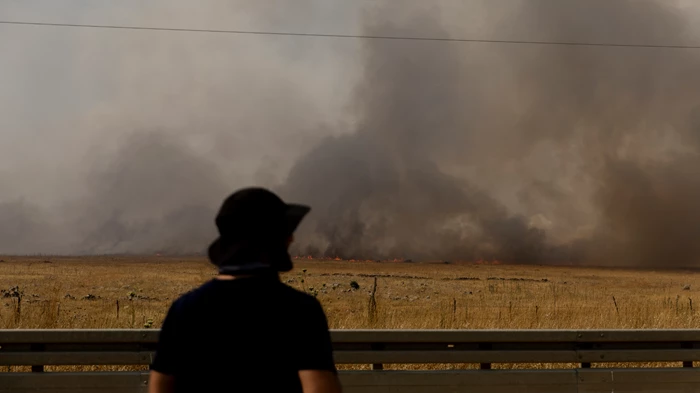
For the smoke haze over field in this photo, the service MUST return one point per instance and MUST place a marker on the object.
(120, 141)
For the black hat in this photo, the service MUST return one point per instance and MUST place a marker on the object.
(253, 221)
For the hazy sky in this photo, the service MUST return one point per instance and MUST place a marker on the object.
(67, 89)
(64, 89)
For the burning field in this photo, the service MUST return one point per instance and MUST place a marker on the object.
(135, 292)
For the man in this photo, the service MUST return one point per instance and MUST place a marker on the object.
(245, 331)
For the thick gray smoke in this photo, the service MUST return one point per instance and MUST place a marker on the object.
(125, 142)
(627, 118)
(452, 151)
(381, 191)
(601, 145)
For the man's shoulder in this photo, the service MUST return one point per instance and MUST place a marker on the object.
(288, 295)
(299, 296)
(188, 297)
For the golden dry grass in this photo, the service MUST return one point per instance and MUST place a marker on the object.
(409, 296)
(79, 293)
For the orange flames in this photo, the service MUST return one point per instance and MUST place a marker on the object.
(311, 258)
(482, 262)
(394, 260)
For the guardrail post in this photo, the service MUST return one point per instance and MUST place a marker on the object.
(584, 345)
(687, 345)
(377, 347)
(37, 348)
(485, 346)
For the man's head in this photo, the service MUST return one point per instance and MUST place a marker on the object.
(256, 228)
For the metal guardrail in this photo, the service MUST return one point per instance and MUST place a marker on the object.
(571, 361)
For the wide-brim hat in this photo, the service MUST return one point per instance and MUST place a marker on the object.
(250, 221)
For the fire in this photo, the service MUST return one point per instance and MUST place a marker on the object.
(337, 258)
(483, 262)
(393, 260)
(311, 258)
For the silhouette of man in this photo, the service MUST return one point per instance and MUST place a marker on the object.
(245, 331)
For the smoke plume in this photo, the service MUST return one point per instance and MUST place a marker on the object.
(380, 192)
(600, 145)
(421, 150)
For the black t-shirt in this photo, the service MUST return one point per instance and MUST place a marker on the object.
(243, 335)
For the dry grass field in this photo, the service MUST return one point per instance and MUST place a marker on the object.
(135, 292)
(121, 292)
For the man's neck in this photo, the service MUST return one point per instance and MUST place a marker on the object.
(226, 277)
